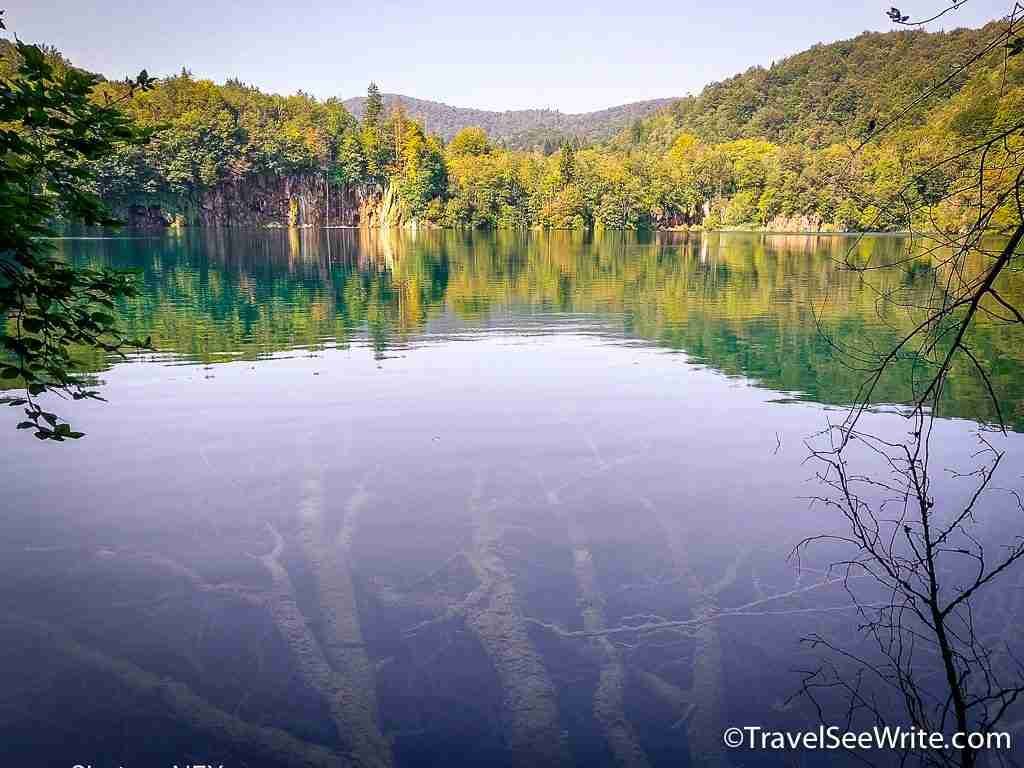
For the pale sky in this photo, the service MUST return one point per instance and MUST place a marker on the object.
(570, 56)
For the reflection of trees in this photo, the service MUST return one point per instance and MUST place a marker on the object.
(747, 305)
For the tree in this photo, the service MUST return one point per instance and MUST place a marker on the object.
(54, 133)
(421, 177)
(567, 162)
(378, 141)
(351, 162)
(920, 567)
(469, 141)
(374, 109)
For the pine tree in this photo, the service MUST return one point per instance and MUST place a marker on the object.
(374, 106)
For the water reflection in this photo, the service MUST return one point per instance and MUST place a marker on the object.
(440, 499)
(772, 308)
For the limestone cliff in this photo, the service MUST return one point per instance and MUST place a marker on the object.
(264, 200)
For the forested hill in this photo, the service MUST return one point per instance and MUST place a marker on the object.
(767, 149)
(824, 95)
(543, 129)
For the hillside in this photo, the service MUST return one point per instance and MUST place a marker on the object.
(826, 94)
(522, 128)
(762, 149)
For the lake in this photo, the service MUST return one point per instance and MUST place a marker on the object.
(437, 498)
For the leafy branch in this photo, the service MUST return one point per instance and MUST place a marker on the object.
(52, 130)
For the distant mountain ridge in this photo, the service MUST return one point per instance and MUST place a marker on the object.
(816, 97)
(520, 128)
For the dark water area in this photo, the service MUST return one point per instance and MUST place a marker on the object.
(424, 499)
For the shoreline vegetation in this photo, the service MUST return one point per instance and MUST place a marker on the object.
(683, 229)
(783, 148)
(680, 229)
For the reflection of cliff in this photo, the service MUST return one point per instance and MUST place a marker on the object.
(774, 309)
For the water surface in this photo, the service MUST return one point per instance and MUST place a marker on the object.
(446, 499)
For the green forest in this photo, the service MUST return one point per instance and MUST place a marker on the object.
(782, 147)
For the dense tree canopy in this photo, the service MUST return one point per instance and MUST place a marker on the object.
(822, 96)
(777, 148)
(205, 134)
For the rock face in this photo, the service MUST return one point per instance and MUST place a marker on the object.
(799, 224)
(145, 216)
(264, 200)
(268, 200)
(679, 219)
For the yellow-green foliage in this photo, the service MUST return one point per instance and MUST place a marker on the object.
(781, 147)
